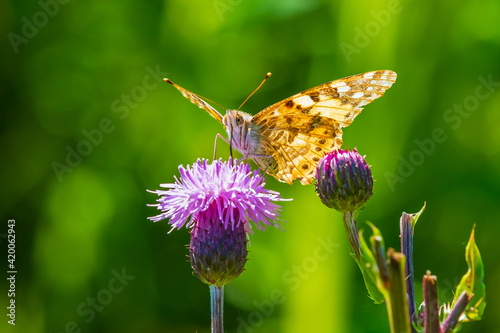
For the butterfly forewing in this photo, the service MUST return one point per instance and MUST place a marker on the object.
(341, 99)
(197, 100)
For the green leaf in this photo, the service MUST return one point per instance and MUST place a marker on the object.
(416, 216)
(369, 269)
(472, 281)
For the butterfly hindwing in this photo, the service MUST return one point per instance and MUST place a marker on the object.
(297, 143)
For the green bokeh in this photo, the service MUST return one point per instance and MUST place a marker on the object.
(86, 77)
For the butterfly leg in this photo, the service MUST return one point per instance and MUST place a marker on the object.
(219, 136)
(262, 157)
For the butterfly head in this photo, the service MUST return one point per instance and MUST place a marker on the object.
(236, 125)
(233, 119)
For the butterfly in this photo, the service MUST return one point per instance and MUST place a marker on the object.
(287, 139)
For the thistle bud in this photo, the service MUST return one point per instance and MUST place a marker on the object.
(217, 254)
(344, 180)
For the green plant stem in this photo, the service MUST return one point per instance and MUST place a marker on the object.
(352, 234)
(397, 302)
(217, 308)
(379, 255)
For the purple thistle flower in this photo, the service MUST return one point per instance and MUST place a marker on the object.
(217, 201)
(223, 191)
(344, 180)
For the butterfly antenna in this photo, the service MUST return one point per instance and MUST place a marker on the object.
(203, 98)
(253, 92)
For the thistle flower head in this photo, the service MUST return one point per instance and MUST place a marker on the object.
(344, 180)
(225, 191)
(218, 201)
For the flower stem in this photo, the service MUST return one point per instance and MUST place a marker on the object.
(351, 229)
(217, 308)
(379, 254)
(406, 232)
(431, 319)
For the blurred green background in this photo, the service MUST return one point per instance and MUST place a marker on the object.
(87, 126)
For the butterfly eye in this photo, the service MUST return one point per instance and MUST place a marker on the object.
(239, 120)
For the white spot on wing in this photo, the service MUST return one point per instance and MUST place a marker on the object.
(304, 101)
(385, 83)
(343, 89)
(368, 75)
(369, 88)
(338, 84)
(357, 94)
